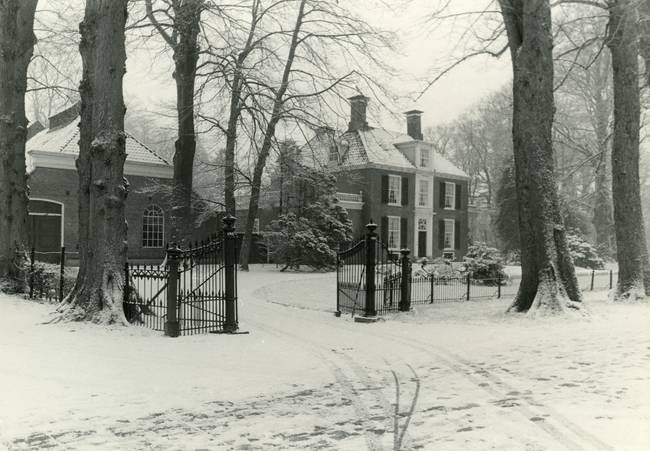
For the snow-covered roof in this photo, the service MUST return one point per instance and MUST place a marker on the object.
(65, 139)
(368, 147)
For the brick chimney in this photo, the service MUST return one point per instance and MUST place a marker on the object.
(358, 105)
(414, 124)
(66, 116)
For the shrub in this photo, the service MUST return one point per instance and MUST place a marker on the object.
(583, 253)
(46, 279)
(484, 263)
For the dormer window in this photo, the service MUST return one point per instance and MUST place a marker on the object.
(424, 158)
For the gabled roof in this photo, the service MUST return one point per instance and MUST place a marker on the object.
(370, 147)
(65, 140)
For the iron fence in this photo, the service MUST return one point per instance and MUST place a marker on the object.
(373, 280)
(194, 291)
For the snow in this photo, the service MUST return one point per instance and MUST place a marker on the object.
(304, 379)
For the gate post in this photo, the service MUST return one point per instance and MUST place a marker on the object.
(371, 255)
(405, 298)
(172, 326)
(31, 272)
(230, 268)
(61, 273)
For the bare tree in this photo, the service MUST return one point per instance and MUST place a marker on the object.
(548, 280)
(632, 254)
(16, 47)
(181, 32)
(98, 293)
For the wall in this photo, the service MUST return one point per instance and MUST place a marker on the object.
(62, 185)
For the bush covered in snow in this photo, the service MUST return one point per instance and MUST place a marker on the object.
(46, 278)
(484, 263)
(310, 239)
(583, 253)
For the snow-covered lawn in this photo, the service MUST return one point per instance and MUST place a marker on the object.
(444, 377)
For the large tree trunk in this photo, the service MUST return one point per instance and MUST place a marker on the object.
(186, 57)
(548, 284)
(634, 269)
(98, 293)
(16, 48)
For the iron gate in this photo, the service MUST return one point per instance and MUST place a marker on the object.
(195, 291)
(371, 278)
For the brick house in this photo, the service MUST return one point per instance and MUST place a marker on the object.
(51, 155)
(418, 198)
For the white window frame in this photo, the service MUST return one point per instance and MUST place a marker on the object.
(423, 163)
(450, 195)
(450, 231)
(394, 235)
(62, 214)
(395, 190)
(147, 237)
(426, 192)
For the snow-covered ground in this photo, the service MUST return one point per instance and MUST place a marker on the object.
(444, 377)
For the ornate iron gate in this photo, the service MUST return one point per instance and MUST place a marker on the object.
(371, 278)
(194, 292)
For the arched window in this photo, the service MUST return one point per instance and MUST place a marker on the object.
(153, 227)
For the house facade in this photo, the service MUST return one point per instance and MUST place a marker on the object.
(418, 198)
(51, 155)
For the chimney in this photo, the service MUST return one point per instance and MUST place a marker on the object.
(66, 116)
(358, 105)
(414, 124)
(34, 128)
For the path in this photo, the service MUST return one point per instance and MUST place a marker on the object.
(448, 377)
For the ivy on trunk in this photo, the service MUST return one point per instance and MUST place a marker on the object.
(16, 47)
(548, 283)
(98, 293)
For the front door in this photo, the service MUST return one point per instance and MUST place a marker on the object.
(422, 243)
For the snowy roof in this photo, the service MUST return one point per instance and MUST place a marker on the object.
(372, 146)
(65, 140)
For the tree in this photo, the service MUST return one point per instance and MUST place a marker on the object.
(548, 283)
(632, 254)
(182, 37)
(16, 47)
(98, 293)
(307, 82)
(314, 224)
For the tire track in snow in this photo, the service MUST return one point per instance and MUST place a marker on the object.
(531, 409)
(343, 381)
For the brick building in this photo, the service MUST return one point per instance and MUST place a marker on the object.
(53, 191)
(418, 198)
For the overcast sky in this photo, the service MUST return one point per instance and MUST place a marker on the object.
(424, 48)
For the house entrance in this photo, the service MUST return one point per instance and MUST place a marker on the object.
(422, 244)
(422, 237)
(46, 228)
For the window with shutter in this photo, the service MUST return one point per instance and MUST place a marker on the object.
(394, 232)
(441, 234)
(394, 190)
(404, 233)
(449, 233)
(441, 196)
(450, 195)
(405, 190)
(457, 235)
(384, 229)
(384, 189)
(458, 196)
